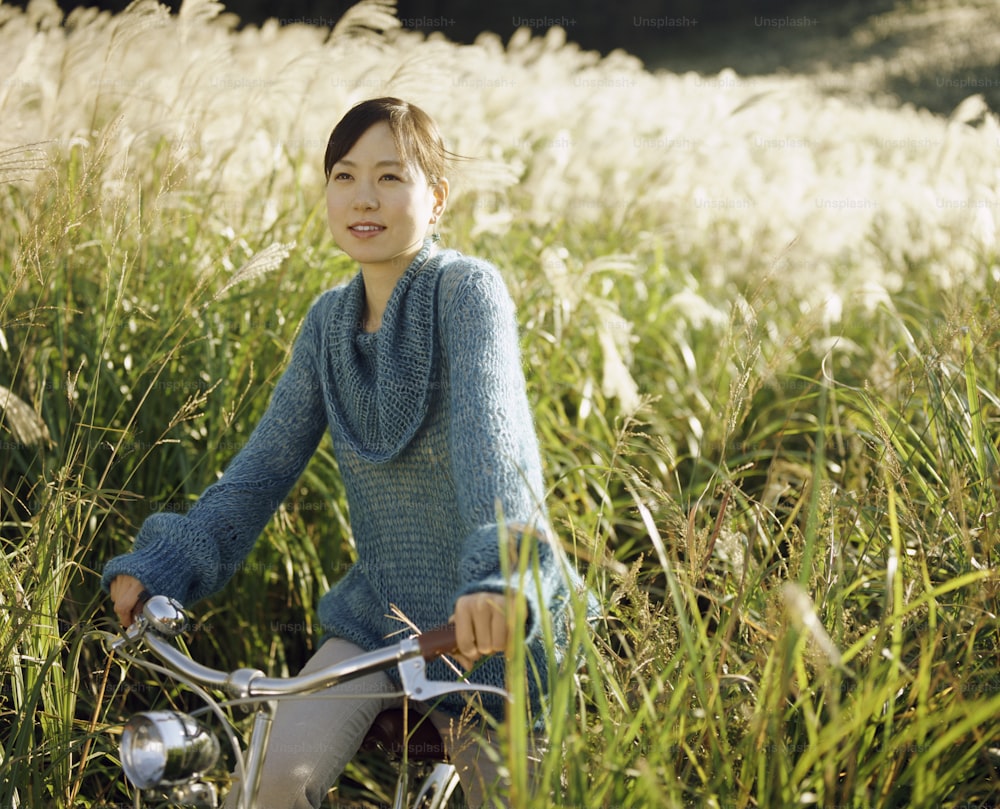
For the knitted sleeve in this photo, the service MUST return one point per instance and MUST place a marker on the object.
(191, 555)
(494, 448)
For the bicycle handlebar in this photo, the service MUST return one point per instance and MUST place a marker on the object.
(253, 683)
(438, 642)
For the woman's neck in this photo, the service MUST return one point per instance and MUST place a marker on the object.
(378, 289)
(380, 281)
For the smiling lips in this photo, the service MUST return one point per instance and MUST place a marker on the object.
(365, 230)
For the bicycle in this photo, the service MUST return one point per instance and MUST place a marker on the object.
(170, 752)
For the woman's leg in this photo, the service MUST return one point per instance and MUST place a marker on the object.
(473, 749)
(313, 738)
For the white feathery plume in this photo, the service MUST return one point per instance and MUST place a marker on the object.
(24, 423)
(260, 264)
(366, 17)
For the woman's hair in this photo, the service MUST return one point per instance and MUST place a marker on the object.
(417, 138)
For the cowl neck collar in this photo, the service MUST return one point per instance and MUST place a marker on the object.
(378, 385)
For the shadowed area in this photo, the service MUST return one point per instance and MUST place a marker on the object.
(931, 55)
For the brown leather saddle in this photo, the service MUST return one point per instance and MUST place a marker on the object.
(393, 732)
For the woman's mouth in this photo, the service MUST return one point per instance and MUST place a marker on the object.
(365, 230)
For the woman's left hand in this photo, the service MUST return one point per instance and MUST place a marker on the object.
(480, 626)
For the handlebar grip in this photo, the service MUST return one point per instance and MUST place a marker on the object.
(437, 642)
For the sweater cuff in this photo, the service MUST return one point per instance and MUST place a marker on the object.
(482, 572)
(161, 560)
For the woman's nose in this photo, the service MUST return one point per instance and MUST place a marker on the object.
(365, 199)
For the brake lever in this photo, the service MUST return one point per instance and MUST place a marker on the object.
(129, 637)
(413, 674)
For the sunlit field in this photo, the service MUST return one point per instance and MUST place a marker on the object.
(761, 330)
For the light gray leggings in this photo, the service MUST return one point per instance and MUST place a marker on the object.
(313, 739)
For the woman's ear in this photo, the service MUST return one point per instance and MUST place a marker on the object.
(440, 191)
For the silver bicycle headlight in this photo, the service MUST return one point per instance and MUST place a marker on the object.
(161, 748)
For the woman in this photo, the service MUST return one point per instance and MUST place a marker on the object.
(414, 367)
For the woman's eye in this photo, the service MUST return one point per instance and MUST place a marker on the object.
(389, 177)
(343, 175)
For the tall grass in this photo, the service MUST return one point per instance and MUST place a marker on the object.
(760, 332)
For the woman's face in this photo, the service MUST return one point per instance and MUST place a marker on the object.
(380, 209)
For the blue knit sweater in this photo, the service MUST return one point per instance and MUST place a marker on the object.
(434, 439)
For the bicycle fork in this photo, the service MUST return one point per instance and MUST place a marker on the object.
(262, 721)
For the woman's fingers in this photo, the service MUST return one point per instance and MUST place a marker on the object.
(125, 593)
(480, 626)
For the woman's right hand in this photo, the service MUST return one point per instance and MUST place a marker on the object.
(125, 591)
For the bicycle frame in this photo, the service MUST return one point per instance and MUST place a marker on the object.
(170, 751)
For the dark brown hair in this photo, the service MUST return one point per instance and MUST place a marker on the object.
(417, 138)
